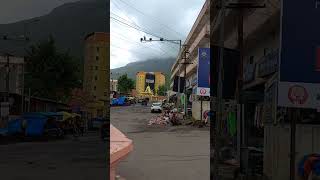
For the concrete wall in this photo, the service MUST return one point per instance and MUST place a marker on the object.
(196, 108)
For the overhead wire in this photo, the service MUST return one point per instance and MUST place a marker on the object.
(155, 19)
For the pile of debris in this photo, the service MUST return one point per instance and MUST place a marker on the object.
(168, 117)
(159, 120)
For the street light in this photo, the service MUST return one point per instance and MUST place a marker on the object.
(144, 39)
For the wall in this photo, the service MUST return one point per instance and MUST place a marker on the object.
(196, 108)
(277, 148)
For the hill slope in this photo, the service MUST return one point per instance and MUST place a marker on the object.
(162, 65)
(68, 24)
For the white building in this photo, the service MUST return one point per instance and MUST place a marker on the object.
(16, 65)
(198, 37)
(113, 85)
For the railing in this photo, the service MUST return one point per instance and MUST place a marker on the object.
(249, 71)
(268, 64)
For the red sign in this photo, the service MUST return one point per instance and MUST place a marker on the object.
(203, 91)
(298, 94)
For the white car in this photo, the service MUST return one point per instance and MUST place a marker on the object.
(156, 107)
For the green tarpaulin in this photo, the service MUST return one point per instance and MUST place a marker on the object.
(232, 123)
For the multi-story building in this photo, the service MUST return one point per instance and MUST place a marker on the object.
(16, 65)
(96, 73)
(152, 79)
(198, 37)
(113, 85)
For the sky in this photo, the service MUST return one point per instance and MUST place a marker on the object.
(17, 10)
(169, 19)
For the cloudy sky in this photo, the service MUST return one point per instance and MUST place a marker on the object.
(170, 19)
(16, 10)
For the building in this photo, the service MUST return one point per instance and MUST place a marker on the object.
(266, 126)
(149, 79)
(198, 37)
(96, 73)
(113, 85)
(16, 65)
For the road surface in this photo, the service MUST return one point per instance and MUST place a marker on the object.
(172, 153)
(69, 159)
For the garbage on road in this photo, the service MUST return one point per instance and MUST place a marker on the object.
(168, 117)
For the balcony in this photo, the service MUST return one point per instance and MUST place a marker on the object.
(268, 64)
(249, 72)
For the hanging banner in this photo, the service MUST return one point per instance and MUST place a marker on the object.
(299, 70)
(203, 72)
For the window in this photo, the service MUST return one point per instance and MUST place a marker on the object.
(97, 58)
(94, 88)
(97, 49)
(265, 51)
(251, 59)
(96, 67)
(95, 78)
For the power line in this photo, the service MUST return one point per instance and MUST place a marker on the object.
(139, 44)
(119, 21)
(155, 19)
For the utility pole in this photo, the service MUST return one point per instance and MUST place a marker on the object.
(180, 46)
(219, 102)
(185, 63)
(244, 153)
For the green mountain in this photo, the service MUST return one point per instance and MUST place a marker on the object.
(163, 65)
(68, 24)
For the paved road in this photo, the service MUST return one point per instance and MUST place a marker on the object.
(173, 153)
(84, 159)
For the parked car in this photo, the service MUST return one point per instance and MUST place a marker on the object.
(156, 107)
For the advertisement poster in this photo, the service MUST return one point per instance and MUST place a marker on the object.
(203, 72)
(299, 77)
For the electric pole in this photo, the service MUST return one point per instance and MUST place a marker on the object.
(219, 102)
(144, 39)
(185, 63)
(244, 152)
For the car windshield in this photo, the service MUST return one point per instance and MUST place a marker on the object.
(156, 104)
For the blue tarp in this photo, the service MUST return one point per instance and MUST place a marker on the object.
(121, 100)
(114, 102)
(15, 126)
(3, 131)
(35, 125)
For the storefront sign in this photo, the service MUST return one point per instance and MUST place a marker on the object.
(299, 81)
(203, 72)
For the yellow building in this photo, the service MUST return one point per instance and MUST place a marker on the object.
(96, 73)
(140, 82)
(152, 79)
(160, 80)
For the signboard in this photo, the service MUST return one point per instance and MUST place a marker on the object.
(150, 79)
(203, 72)
(299, 81)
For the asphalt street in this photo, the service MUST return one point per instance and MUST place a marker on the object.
(68, 159)
(170, 153)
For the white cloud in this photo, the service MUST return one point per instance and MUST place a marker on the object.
(166, 18)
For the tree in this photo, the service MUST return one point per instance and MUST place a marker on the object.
(125, 84)
(162, 90)
(51, 73)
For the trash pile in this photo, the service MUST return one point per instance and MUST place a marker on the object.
(169, 117)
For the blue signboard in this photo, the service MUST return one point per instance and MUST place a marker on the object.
(203, 72)
(300, 41)
(299, 68)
